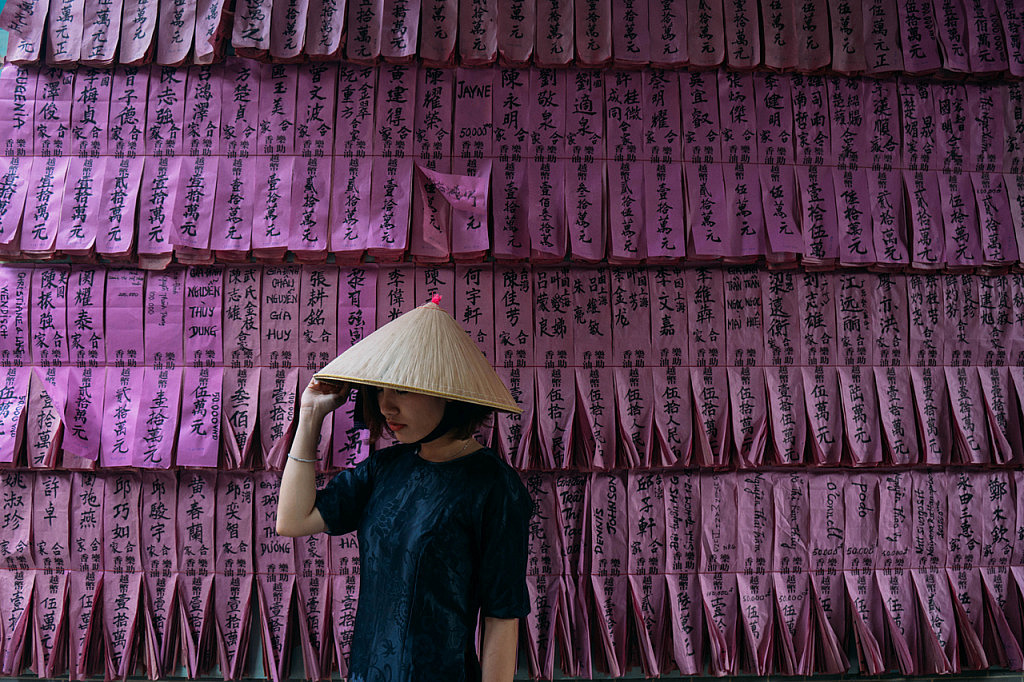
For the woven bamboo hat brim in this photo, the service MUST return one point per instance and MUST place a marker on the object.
(424, 351)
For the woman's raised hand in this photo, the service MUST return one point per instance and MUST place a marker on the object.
(323, 397)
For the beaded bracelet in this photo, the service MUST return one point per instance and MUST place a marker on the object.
(299, 459)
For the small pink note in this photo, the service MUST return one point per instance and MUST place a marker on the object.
(24, 21)
(670, 338)
(84, 412)
(593, 31)
(646, 565)
(632, 351)
(623, 92)
(555, 34)
(919, 40)
(288, 30)
(400, 26)
(86, 541)
(718, 568)
(318, 326)
(754, 537)
(17, 578)
(276, 163)
(66, 24)
(683, 543)
(388, 237)
(742, 34)
(825, 544)
(123, 569)
(192, 219)
(138, 28)
(275, 575)
(630, 32)
(472, 157)
(211, 30)
(473, 22)
(881, 37)
(433, 184)
(609, 550)
(242, 333)
(202, 394)
(744, 359)
(669, 35)
(517, 28)
(706, 322)
(15, 359)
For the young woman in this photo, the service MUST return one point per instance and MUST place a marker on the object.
(441, 520)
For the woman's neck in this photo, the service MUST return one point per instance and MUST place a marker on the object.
(446, 448)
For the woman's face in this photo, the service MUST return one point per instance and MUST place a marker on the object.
(410, 416)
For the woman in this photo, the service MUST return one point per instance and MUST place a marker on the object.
(441, 520)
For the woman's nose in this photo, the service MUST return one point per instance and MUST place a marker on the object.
(386, 401)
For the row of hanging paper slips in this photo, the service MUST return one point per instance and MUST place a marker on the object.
(980, 37)
(757, 572)
(242, 160)
(614, 366)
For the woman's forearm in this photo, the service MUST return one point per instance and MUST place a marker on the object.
(498, 654)
(296, 513)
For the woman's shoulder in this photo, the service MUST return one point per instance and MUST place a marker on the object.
(502, 478)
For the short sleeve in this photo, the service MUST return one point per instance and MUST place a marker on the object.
(504, 541)
(342, 500)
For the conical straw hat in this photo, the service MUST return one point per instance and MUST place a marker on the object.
(424, 351)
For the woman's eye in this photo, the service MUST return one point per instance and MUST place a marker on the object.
(400, 392)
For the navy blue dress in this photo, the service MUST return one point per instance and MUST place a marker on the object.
(438, 544)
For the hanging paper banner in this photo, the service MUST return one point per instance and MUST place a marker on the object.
(881, 37)
(919, 42)
(555, 389)
(1002, 414)
(719, 564)
(555, 39)
(159, 563)
(998, 241)
(543, 576)
(997, 520)
(176, 25)
(744, 334)
(673, 435)
(847, 36)
(585, 174)
(48, 387)
(318, 325)
(51, 544)
(395, 295)
(683, 545)
(825, 547)
(663, 198)
(818, 355)
(313, 594)
(951, 29)
(631, 353)
(478, 22)
(54, 93)
(742, 35)
(279, 347)
(364, 27)
(24, 21)
(815, 173)
(64, 38)
(472, 156)
(242, 334)
(353, 153)
(288, 30)
(783, 381)
(889, 315)
(202, 395)
(84, 411)
(847, 97)
(745, 219)
(572, 498)
(1010, 16)
(275, 577)
(235, 569)
(86, 582)
(985, 127)
(774, 111)
(400, 24)
(430, 237)
(995, 329)
(892, 571)
(512, 93)
(233, 206)
(630, 32)
(706, 323)
(705, 188)
(960, 302)
(161, 175)
(392, 162)
(862, 554)
(754, 538)
(138, 28)
(276, 163)
(545, 166)
(17, 578)
(473, 308)
(780, 41)
(514, 360)
(441, 21)
(344, 595)
(122, 563)
(593, 28)
(325, 23)
(17, 138)
(705, 34)
(668, 35)
(623, 94)
(610, 556)
(885, 184)
(591, 335)
(158, 414)
(211, 30)
(517, 30)
(938, 634)
(195, 515)
(191, 221)
(356, 317)
(314, 134)
(646, 565)
(434, 280)
(119, 187)
(966, 507)
(812, 35)
(15, 360)
(250, 35)
(856, 342)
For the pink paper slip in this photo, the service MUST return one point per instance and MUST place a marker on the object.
(895, 539)
(473, 153)
(318, 327)
(478, 31)
(593, 440)
(87, 540)
(17, 578)
(364, 27)
(357, 315)
(233, 585)
(754, 538)
(158, 413)
(312, 560)
(585, 173)
(15, 360)
(84, 411)
(861, 555)
(672, 435)
(780, 41)
(510, 118)
(669, 35)
(442, 20)
(250, 35)
(881, 37)
(854, 322)
(623, 96)
(554, 38)
(610, 587)
(279, 323)
(49, 342)
(202, 394)
(630, 31)
(774, 115)
(825, 545)
(719, 564)
(819, 213)
(663, 202)
(195, 516)
(517, 28)
(705, 184)
(646, 566)
(52, 549)
(122, 563)
(706, 322)
(745, 223)
(16, 145)
(125, 366)
(159, 564)
(998, 241)
(344, 596)
(744, 358)
(682, 539)
(1010, 15)
(545, 167)
(314, 135)
(243, 364)
(742, 37)
(543, 575)
(275, 577)
(176, 25)
(288, 30)
(240, 92)
(325, 22)
(553, 351)
(388, 236)
(138, 29)
(593, 30)
(919, 41)
(276, 163)
(65, 26)
(211, 30)
(705, 33)
(400, 30)
(24, 21)
(847, 24)
(353, 161)
(430, 231)
(632, 351)
(513, 357)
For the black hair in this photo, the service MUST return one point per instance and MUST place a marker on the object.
(464, 418)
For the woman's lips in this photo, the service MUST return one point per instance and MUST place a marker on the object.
(396, 427)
